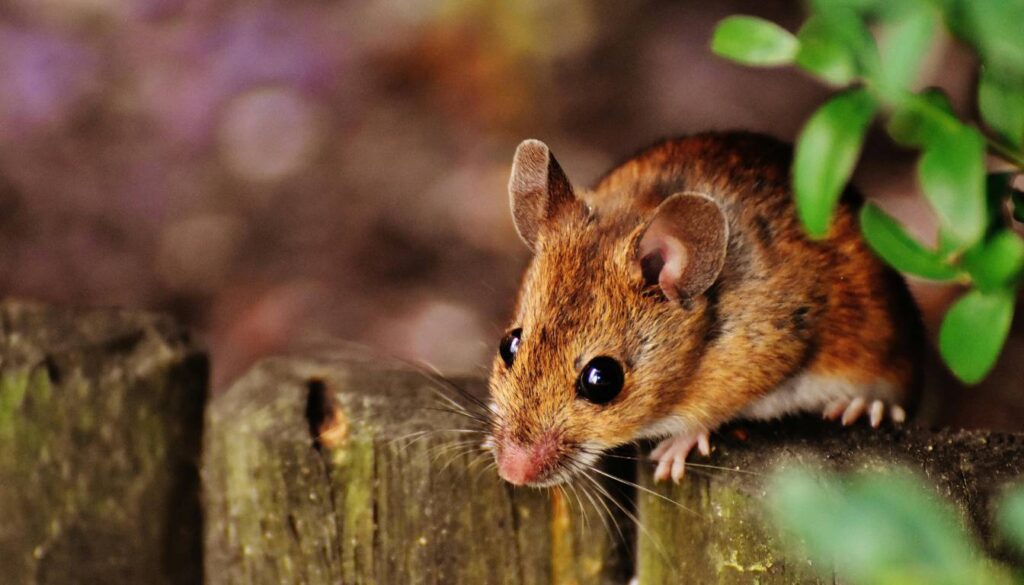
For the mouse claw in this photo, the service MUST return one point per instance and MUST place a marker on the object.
(834, 410)
(660, 450)
(704, 445)
(853, 411)
(671, 453)
(875, 413)
(897, 414)
(678, 469)
(850, 410)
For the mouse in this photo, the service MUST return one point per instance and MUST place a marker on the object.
(680, 293)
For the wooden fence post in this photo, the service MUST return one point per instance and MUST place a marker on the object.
(330, 470)
(100, 429)
(716, 531)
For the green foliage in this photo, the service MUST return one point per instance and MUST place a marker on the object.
(973, 331)
(825, 156)
(835, 46)
(1002, 108)
(885, 528)
(904, 47)
(1011, 517)
(952, 175)
(996, 262)
(888, 239)
(754, 41)
(873, 50)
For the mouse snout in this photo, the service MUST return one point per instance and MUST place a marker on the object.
(521, 465)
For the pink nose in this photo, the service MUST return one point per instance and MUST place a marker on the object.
(516, 465)
(520, 465)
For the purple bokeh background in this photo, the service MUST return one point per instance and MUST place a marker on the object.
(279, 174)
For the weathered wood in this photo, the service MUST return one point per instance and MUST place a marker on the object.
(331, 470)
(307, 480)
(718, 534)
(100, 431)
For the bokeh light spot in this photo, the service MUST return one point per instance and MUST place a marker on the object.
(270, 133)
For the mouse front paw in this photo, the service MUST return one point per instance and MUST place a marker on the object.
(670, 454)
(850, 410)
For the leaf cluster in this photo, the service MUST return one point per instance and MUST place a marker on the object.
(873, 51)
(888, 528)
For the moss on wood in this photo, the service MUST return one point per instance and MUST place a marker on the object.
(328, 470)
(100, 431)
(716, 532)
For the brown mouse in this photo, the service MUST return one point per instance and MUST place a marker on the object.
(681, 292)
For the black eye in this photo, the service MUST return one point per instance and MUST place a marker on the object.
(510, 346)
(600, 380)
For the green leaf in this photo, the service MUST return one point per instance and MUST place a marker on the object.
(952, 175)
(871, 9)
(1002, 108)
(993, 27)
(836, 46)
(753, 41)
(888, 239)
(952, 168)
(905, 43)
(996, 262)
(1011, 517)
(931, 541)
(923, 118)
(826, 153)
(878, 528)
(973, 332)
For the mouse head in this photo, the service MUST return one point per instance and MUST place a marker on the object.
(610, 323)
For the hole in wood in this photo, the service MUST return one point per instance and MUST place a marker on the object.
(328, 426)
(52, 370)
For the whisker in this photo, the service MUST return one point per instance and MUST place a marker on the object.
(606, 517)
(491, 465)
(408, 436)
(629, 514)
(435, 374)
(455, 457)
(479, 458)
(426, 434)
(462, 413)
(422, 435)
(447, 405)
(645, 490)
(579, 503)
(644, 459)
(445, 449)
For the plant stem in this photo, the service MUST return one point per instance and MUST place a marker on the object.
(1005, 152)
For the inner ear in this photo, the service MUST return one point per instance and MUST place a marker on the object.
(650, 266)
(683, 246)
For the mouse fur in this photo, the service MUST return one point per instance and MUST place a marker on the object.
(769, 323)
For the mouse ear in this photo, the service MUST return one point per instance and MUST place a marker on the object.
(537, 189)
(682, 248)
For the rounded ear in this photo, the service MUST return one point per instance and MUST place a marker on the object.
(537, 189)
(683, 247)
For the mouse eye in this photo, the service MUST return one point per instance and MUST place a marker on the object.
(600, 380)
(510, 346)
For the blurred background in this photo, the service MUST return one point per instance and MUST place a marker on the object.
(279, 174)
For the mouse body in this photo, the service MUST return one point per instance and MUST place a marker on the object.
(679, 293)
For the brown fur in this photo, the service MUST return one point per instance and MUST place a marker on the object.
(782, 304)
